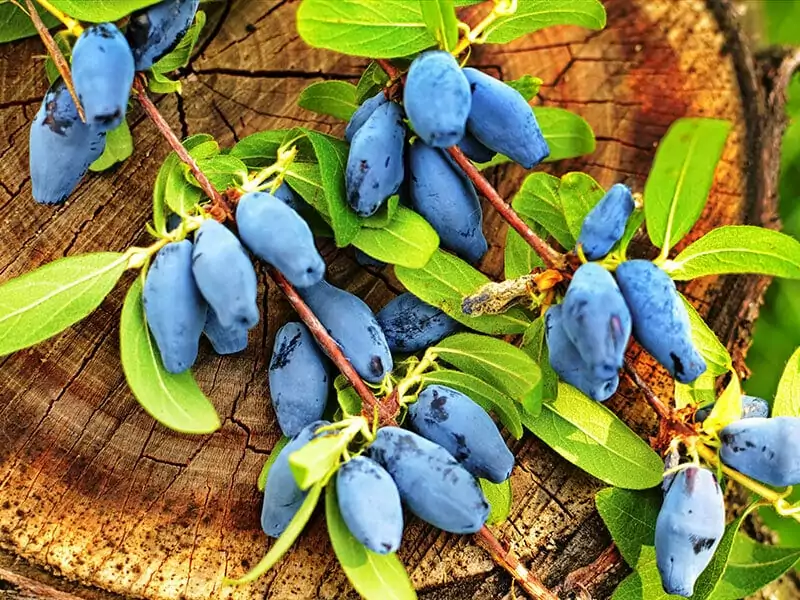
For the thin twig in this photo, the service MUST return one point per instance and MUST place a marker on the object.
(581, 579)
(56, 55)
(551, 258)
(506, 559)
(392, 71)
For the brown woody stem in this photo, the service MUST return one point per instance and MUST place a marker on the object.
(56, 55)
(386, 410)
(390, 69)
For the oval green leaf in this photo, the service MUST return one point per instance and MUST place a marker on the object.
(568, 135)
(594, 439)
(499, 497)
(441, 20)
(100, 11)
(680, 179)
(738, 249)
(787, 399)
(407, 241)
(374, 576)
(276, 450)
(44, 302)
(334, 98)
(533, 15)
(444, 282)
(175, 401)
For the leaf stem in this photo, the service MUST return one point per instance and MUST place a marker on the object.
(506, 559)
(55, 53)
(73, 26)
(501, 8)
(551, 258)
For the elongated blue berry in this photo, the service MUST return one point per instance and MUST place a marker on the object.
(410, 325)
(61, 146)
(298, 379)
(103, 70)
(502, 120)
(174, 307)
(225, 275)
(767, 450)
(437, 98)
(363, 113)
(224, 340)
(604, 225)
(361, 486)
(660, 321)
(155, 31)
(431, 482)
(474, 150)
(278, 235)
(351, 323)
(375, 162)
(442, 194)
(452, 420)
(689, 527)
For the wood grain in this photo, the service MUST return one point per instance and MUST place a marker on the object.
(93, 490)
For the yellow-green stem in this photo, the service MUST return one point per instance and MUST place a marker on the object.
(501, 8)
(73, 26)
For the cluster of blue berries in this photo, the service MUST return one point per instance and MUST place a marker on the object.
(446, 106)
(209, 285)
(588, 333)
(104, 62)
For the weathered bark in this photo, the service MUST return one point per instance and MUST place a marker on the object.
(94, 491)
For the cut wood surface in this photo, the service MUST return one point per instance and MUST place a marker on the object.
(94, 491)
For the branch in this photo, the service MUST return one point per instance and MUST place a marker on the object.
(392, 71)
(582, 578)
(527, 580)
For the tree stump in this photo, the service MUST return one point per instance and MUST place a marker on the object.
(94, 491)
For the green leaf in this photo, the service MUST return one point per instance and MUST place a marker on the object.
(384, 215)
(182, 54)
(442, 22)
(496, 362)
(407, 241)
(100, 11)
(578, 193)
(528, 86)
(568, 135)
(701, 391)
(727, 409)
(751, 566)
(332, 156)
(538, 201)
(533, 15)
(488, 397)
(283, 543)
(680, 179)
(181, 196)
(738, 249)
(631, 228)
(119, 146)
(223, 171)
(306, 180)
(347, 397)
(787, 398)
(630, 517)
(319, 458)
(260, 149)
(158, 83)
(273, 455)
(44, 302)
(334, 98)
(499, 497)
(175, 401)
(372, 80)
(593, 438)
(15, 23)
(710, 578)
(520, 258)
(355, 27)
(374, 576)
(534, 345)
(444, 282)
(716, 355)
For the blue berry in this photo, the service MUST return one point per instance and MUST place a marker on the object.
(453, 420)
(363, 113)
(503, 121)
(410, 325)
(61, 146)
(437, 98)
(362, 485)
(568, 363)
(103, 71)
(474, 150)
(351, 323)
(278, 235)
(597, 320)
(431, 482)
(298, 379)
(174, 307)
(442, 194)
(689, 527)
(155, 31)
(767, 450)
(660, 321)
(375, 163)
(604, 225)
(225, 275)
(224, 340)
(286, 195)
(365, 260)
(282, 496)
